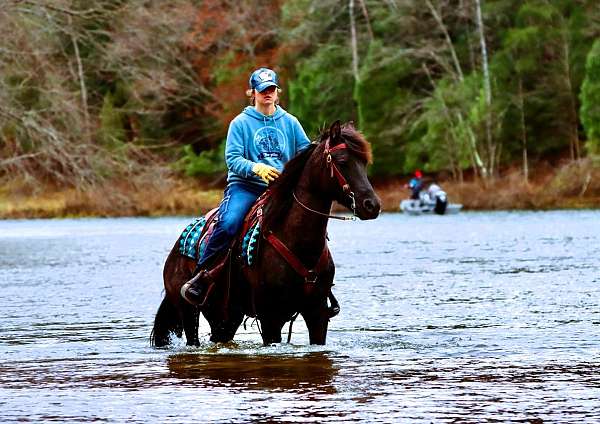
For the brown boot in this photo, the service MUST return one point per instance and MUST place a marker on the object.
(197, 290)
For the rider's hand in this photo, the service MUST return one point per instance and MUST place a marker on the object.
(265, 172)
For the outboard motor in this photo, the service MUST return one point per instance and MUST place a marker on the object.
(439, 197)
(441, 202)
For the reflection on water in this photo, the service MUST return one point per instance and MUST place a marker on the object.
(483, 317)
(312, 372)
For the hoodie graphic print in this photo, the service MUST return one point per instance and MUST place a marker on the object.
(254, 137)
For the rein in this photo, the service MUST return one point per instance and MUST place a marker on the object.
(343, 218)
(309, 275)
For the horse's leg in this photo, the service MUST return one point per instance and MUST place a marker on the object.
(317, 320)
(223, 310)
(178, 270)
(271, 329)
(224, 331)
(191, 315)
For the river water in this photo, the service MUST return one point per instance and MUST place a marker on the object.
(477, 317)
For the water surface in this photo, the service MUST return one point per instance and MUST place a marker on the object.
(469, 318)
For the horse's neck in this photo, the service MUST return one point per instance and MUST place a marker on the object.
(305, 231)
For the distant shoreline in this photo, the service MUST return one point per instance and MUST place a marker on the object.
(568, 187)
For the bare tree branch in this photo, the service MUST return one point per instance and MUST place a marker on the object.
(449, 43)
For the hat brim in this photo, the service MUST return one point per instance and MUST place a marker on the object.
(264, 85)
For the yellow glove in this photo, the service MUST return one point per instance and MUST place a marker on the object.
(265, 172)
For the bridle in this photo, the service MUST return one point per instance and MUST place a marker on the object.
(334, 172)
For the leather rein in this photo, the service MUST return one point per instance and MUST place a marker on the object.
(310, 275)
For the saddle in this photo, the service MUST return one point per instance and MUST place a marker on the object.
(194, 238)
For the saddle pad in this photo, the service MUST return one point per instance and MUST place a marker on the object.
(250, 235)
(250, 244)
(194, 238)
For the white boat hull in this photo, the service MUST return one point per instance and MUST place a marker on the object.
(416, 207)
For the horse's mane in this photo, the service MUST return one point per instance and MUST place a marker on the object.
(355, 140)
(283, 187)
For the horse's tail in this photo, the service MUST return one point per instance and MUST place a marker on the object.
(166, 321)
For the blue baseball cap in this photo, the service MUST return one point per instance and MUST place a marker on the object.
(263, 78)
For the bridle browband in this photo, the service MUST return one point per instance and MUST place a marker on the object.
(335, 172)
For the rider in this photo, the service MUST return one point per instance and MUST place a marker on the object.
(416, 185)
(260, 140)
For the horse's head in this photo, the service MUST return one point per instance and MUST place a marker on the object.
(345, 155)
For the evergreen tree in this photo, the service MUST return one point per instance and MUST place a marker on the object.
(590, 99)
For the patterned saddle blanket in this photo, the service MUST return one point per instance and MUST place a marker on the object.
(194, 238)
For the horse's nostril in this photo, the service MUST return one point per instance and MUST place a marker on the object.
(372, 206)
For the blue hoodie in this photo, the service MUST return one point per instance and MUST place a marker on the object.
(254, 137)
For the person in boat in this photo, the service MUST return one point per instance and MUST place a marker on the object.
(416, 185)
(260, 140)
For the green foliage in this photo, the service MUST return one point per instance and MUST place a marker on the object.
(445, 126)
(381, 101)
(318, 98)
(81, 91)
(538, 70)
(208, 162)
(525, 47)
(112, 120)
(536, 49)
(590, 99)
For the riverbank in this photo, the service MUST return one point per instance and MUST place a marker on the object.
(574, 185)
(113, 199)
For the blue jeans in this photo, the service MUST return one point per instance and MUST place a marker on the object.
(237, 201)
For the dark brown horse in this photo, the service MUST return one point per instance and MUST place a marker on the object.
(283, 281)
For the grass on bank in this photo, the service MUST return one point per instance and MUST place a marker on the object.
(574, 185)
(172, 197)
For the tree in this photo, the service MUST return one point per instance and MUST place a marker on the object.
(590, 99)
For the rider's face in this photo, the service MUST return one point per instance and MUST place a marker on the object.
(266, 97)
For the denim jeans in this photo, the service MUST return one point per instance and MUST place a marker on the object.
(238, 198)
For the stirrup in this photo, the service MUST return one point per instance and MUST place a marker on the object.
(182, 292)
(192, 302)
(209, 288)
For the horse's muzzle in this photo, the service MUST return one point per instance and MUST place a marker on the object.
(369, 208)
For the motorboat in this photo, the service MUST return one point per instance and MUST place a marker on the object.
(433, 200)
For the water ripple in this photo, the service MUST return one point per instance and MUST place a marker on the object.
(444, 319)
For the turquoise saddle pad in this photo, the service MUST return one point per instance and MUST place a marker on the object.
(194, 238)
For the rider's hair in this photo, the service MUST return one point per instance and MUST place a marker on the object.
(251, 96)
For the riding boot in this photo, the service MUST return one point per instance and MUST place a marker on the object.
(197, 290)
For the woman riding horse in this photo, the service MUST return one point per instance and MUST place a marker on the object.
(260, 141)
(293, 270)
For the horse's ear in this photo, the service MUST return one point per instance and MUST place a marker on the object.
(335, 131)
